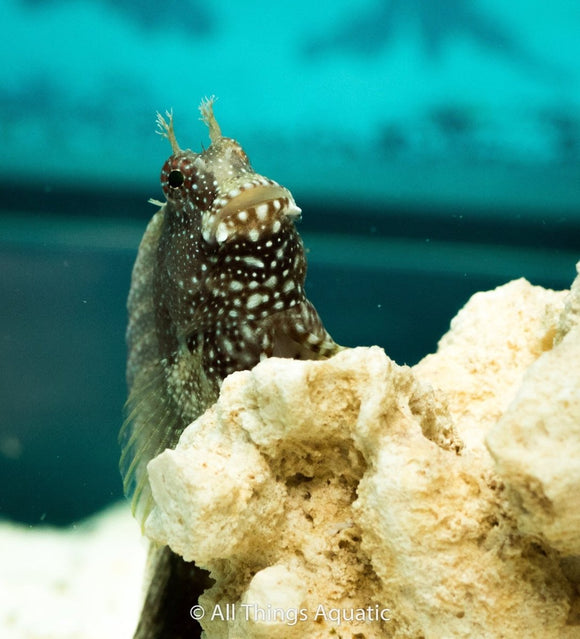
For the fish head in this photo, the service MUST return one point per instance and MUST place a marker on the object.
(220, 185)
(229, 253)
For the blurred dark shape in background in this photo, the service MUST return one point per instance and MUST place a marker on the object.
(192, 17)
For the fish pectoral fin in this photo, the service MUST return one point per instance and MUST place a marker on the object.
(149, 428)
(299, 334)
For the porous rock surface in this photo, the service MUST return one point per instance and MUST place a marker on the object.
(357, 498)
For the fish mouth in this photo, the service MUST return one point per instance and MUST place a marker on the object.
(241, 200)
(249, 210)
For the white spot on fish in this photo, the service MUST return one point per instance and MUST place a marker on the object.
(228, 346)
(256, 299)
(222, 233)
(262, 211)
(253, 261)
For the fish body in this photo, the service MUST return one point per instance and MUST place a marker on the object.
(218, 285)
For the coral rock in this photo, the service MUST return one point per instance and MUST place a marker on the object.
(536, 443)
(357, 498)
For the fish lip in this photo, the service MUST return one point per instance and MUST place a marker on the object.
(225, 219)
(238, 200)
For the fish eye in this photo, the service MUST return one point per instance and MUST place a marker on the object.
(175, 179)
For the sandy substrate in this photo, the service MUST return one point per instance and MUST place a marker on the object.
(82, 582)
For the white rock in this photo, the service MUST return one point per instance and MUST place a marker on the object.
(363, 493)
(536, 444)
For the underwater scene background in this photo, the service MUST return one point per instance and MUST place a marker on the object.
(434, 148)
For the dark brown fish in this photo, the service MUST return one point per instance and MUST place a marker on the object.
(217, 286)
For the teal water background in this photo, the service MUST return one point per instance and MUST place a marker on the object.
(434, 148)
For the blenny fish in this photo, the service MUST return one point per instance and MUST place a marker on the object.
(218, 285)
